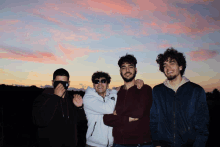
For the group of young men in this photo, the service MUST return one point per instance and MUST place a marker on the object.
(173, 114)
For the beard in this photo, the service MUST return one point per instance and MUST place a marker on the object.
(171, 77)
(128, 80)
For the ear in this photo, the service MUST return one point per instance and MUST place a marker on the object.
(181, 67)
(94, 86)
(52, 82)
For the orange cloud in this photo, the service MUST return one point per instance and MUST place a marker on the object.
(202, 55)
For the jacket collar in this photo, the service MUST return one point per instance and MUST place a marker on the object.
(92, 91)
(184, 80)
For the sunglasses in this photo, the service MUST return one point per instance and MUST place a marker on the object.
(102, 81)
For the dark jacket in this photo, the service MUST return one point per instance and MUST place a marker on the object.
(135, 103)
(179, 119)
(56, 118)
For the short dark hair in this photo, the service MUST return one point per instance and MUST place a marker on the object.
(127, 59)
(172, 54)
(60, 72)
(100, 74)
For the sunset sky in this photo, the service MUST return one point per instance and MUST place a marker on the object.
(84, 36)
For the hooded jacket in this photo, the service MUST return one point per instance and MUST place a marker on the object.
(56, 119)
(179, 117)
(95, 106)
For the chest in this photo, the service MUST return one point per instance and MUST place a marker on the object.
(128, 100)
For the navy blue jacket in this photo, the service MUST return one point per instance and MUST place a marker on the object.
(179, 119)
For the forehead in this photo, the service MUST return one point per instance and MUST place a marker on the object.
(61, 78)
(169, 60)
(100, 78)
(127, 64)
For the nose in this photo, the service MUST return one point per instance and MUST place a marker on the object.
(127, 69)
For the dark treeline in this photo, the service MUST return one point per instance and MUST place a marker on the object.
(17, 128)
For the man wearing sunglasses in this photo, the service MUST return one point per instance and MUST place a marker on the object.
(131, 118)
(56, 113)
(99, 101)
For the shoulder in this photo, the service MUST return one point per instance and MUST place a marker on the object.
(89, 90)
(146, 87)
(112, 91)
(194, 86)
(158, 87)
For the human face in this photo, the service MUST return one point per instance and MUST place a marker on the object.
(101, 87)
(61, 78)
(172, 69)
(128, 72)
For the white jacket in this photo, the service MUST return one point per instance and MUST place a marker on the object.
(95, 106)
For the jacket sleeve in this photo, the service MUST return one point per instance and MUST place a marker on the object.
(81, 116)
(201, 120)
(145, 103)
(95, 106)
(154, 120)
(115, 120)
(44, 107)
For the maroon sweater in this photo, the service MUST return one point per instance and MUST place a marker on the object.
(135, 103)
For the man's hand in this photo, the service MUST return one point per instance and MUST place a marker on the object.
(132, 119)
(59, 90)
(139, 83)
(117, 88)
(77, 100)
(115, 112)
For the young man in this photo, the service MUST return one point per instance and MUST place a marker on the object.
(99, 101)
(131, 118)
(55, 113)
(179, 113)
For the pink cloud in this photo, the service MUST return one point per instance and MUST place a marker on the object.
(48, 18)
(202, 55)
(71, 52)
(40, 57)
(9, 22)
(70, 35)
(8, 26)
(108, 7)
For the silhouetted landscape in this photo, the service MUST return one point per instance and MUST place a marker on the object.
(17, 128)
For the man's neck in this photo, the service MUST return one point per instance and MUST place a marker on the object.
(175, 82)
(129, 84)
(102, 94)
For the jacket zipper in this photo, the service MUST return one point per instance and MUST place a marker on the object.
(93, 129)
(174, 119)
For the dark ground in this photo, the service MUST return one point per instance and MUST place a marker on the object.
(19, 131)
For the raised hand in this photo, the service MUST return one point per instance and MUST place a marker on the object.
(59, 90)
(77, 100)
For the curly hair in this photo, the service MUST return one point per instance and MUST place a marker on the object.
(60, 72)
(172, 54)
(127, 58)
(100, 74)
